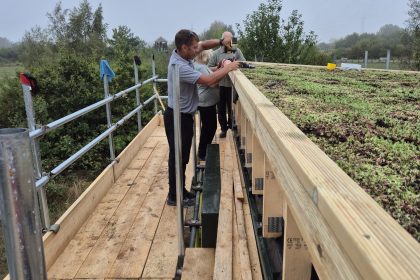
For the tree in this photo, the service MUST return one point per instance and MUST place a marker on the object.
(268, 38)
(260, 34)
(65, 60)
(388, 37)
(5, 43)
(80, 30)
(413, 29)
(216, 30)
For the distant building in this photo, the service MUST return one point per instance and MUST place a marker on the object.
(161, 45)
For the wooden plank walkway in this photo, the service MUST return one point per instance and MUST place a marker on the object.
(131, 234)
(131, 230)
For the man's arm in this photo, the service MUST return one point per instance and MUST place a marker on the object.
(212, 43)
(215, 77)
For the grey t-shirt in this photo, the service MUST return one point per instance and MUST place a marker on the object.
(188, 76)
(218, 55)
(208, 96)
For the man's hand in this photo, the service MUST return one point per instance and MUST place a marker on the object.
(231, 65)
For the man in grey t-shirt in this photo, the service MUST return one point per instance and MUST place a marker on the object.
(225, 85)
(187, 47)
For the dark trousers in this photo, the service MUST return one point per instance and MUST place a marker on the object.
(224, 104)
(208, 128)
(186, 141)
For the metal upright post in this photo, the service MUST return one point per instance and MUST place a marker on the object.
(178, 160)
(366, 59)
(194, 148)
(18, 207)
(109, 118)
(30, 116)
(232, 96)
(136, 80)
(154, 82)
(388, 58)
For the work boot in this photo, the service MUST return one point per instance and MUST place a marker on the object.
(189, 195)
(201, 158)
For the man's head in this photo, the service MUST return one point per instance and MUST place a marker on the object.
(227, 36)
(227, 39)
(186, 43)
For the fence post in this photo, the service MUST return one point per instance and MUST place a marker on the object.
(30, 116)
(18, 207)
(388, 58)
(137, 62)
(107, 73)
(154, 82)
(366, 59)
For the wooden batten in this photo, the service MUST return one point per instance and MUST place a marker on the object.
(296, 261)
(236, 262)
(272, 203)
(347, 233)
(257, 167)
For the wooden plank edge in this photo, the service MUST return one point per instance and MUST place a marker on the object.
(71, 221)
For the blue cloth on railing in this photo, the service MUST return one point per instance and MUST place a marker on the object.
(105, 69)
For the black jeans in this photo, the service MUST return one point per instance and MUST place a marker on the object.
(208, 128)
(224, 104)
(186, 141)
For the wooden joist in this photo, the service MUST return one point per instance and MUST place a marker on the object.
(296, 261)
(272, 203)
(257, 172)
(347, 233)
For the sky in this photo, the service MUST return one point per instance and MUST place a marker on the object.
(329, 19)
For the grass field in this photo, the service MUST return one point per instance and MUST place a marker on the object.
(9, 70)
(368, 122)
